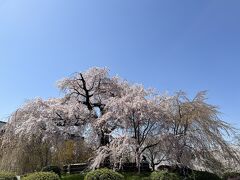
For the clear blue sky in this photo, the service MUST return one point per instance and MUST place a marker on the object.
(171, 45)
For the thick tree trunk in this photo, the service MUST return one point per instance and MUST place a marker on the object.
(104, 138)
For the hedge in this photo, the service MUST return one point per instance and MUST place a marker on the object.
(228, 175)
(203, 175)
(7, 175)
(42, 176)
(164, 175)
(103, 174)
(54, 169)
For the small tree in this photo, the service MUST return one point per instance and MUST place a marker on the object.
(196, 132)
(159, 153)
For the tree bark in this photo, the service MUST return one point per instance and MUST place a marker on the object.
(138, 156)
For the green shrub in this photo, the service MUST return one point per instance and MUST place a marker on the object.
(136, 176)
(42, 176)
(54, 169)
(7, 175)
(103, 174)
(203, 175)
(164, 175)
(73, 177)
(227, 175)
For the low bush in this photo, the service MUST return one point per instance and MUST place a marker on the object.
(7, 175)
(73, 177)
(164, 175)
(54, 169)
(136, 176)
(42, 176)
(104, 174)
(228, 175)
(203, 175)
